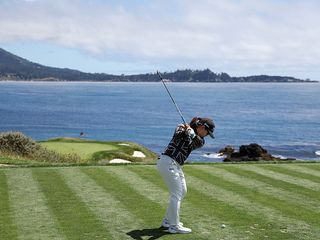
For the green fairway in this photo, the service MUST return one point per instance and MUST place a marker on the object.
(254, 201)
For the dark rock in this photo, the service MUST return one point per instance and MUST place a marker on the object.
(251, 152)
(228, 150)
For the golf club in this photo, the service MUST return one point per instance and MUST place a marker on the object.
(175, 104)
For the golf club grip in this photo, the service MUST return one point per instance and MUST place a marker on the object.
(175, 104)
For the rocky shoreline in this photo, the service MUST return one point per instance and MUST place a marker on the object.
(251, 152)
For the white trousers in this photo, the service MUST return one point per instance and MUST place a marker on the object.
(174, 178)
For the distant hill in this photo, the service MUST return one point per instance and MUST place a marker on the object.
(15, 68)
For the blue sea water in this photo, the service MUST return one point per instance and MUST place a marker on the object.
(282, 117)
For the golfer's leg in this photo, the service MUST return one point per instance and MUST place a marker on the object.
(183, 183)
(176, 187)
(177, 192)
(170, 172)
(163, 166)
(173, 211)
(183, 193)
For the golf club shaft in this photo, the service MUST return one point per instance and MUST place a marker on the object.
(174, 102)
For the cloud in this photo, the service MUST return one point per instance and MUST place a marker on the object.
(232, 35)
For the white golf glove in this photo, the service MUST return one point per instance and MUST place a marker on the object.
(191, 132)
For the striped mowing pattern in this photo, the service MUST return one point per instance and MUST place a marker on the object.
(249, 209)
(254, 201)
(296, 171)
(198, 207)
(238, 177)
(303, 169)
(28, 202)
(264, 170)
(109, 210)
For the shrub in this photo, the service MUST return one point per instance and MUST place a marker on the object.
(17, 144)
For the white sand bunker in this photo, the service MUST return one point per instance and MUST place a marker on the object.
(119, 160)
(138, 154)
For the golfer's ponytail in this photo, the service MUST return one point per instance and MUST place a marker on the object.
(194, 123)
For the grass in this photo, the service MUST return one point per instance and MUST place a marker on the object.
(254, 201)
(7, 226)
(85, 149)
(92, 151)
(73, 216)
(88, 152)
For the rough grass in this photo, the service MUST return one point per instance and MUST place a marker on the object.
(254, 201)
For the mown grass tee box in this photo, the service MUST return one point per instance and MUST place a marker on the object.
(253, 201)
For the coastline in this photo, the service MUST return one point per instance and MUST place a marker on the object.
(213, 82)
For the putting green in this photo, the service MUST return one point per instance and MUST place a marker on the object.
(84, 150)
(101, 152)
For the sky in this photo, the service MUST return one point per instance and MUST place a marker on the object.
(239, 37)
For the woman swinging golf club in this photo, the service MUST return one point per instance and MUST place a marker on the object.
(186, 138)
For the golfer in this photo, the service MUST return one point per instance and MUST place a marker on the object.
(186, 138)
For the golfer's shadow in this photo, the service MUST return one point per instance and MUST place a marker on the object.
(153, 233)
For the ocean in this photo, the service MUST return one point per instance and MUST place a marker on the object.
(284, 118)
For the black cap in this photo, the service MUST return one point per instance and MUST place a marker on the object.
(208, 123)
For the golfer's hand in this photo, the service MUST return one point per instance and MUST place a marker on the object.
(186, 126)
(189, 130)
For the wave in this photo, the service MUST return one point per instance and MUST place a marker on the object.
(317, 153)
(279, 156)
(214, 155)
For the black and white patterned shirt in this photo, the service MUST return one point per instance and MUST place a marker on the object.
(182, 144)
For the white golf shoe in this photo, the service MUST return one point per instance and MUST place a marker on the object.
(179, 229)
(166, 224)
